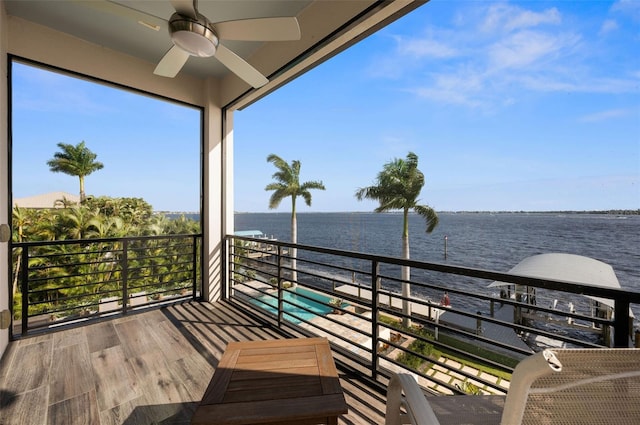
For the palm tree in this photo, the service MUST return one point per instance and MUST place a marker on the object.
(397, 187)
(77, 222)
(63, 203)
(21, 220)
(287, 183)
(75, 160)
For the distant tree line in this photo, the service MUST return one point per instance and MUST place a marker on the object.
(100, 217)
(610, 212)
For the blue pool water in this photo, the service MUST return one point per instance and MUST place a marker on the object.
(293, 303)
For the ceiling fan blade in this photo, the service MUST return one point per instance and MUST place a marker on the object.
(185, 8)
(240, 67)
(260, 29)
(172, 62)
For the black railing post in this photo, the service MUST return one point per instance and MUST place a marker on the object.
(230, 262)
(622, 329)
(125, 274)
(194, 265)
(280, 294)
(24, 288)
(375, 282)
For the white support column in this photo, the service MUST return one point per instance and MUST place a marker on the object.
(228, 206)
(4, 173)
(217, 191)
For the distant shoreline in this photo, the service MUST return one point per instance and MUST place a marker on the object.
(595, 212)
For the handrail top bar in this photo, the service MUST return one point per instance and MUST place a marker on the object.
(618, 294)
(89, 241)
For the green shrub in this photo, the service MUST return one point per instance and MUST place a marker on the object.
(470, 388)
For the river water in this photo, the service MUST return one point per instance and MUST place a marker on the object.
(490, 241)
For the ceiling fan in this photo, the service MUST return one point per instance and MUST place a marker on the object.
(193, 34)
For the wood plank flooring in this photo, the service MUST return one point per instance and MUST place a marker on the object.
(144, 368)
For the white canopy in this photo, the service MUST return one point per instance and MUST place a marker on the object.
(569, 268)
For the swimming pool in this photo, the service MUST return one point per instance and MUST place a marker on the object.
(293, 303)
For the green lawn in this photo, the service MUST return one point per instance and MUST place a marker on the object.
(434, 352)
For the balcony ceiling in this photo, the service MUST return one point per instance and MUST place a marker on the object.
(124, 26)
(116, 25)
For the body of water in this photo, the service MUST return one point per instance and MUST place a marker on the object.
(481, 240)
(487, 241)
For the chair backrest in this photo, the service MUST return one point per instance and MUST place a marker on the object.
(575, 386)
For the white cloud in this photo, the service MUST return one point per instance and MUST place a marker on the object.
(577, 84)
(451, 96)
(608, 26)
(409, 53)
(504, 17)
(627, 7)
(525, 48)
(424, 48)
(606, 115)
(528, 19)
(462, 88)
(513, 51)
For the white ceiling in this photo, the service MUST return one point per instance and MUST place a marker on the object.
(114, 24)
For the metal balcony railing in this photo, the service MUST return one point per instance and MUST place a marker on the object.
(58, 282)
(362, 304)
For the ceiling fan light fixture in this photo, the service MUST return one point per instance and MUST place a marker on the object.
(195, 37)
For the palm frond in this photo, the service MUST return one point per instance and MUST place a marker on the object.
(430, 216)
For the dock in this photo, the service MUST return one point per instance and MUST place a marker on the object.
(260, 249)
(504, 334)
(447, 317)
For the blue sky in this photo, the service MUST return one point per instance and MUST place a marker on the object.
(509, 106)
(150, 148)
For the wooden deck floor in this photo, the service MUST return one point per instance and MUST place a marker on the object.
(145, 368)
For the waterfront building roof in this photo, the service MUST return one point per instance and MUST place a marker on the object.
(45, 200)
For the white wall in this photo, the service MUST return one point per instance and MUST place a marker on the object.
(4, 174)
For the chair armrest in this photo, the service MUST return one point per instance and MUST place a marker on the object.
(525, 373)
(404, 391)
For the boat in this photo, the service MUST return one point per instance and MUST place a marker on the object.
(264, 248)
(253, 234)
(569, 268)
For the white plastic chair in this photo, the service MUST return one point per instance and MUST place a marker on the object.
(555, 386)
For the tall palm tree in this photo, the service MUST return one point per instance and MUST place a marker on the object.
(75, 160)
(397, 187)
(287, 184)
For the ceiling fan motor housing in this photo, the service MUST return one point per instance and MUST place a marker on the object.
(194, 36)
